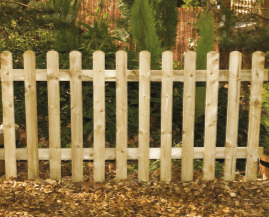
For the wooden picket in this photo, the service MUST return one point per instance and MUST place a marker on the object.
(8, 114)
(258, 59)
(211, 114)
(54, 114)
(232, 115)
(31, 114)
(99, 154)
(144, 115)
(188, 116)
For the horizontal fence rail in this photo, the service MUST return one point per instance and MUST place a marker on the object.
(99, 154)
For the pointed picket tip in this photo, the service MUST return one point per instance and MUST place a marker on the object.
(29, 52)
(167, 52)
(98, 52)
(6, 53)
(235, 53)
(6, 57)
(52, 52)
(212, 53)
(121, 51)
(74, 53)
(258, 53)
(190, 54)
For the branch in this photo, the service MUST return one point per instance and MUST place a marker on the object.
(19, 3)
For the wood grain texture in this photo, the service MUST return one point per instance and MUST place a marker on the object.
(31, 114)
(76, 116)
(166, 115)
(121, 115)
(144, 116)
(54, 114)
(99, 115)
(211, 114)
(8, 114)
(188, 116)
(232, 115)
(258, 59)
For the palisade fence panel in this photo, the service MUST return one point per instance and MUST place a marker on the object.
(99, 154)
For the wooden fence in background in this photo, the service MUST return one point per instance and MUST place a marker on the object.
(185, 29)
(98, 75)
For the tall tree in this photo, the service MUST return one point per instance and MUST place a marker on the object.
(144, 30)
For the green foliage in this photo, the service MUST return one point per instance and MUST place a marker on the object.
(166, 17)
(206, 31)
(144, 30)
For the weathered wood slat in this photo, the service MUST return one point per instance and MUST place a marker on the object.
(166, 115)
(54, 114)
(31, 114)
(76, 116)
(121, 115)
(232, 115)
(8, 114)
(144, 115)
(258, 59)
(99, 115)
(110, 153)
(188, 116)
(211, 114)
(133, 75)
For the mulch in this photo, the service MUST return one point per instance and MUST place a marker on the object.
(130, 197)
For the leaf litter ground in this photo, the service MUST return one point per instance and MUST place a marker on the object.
(129, 197)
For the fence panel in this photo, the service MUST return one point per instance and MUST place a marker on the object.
(99, 115)
(76, 116)
(166, 115)
(211, 113)
(8, 114)
(143, 153)
(232, 115)
(188, 116)
(144, 115)
(121, 115)
(54, 114)
(31, 114)
(258, 59)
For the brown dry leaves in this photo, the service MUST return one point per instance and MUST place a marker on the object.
(46, 197)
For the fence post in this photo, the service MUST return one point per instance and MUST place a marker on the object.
(257, 74)
(232, 115)
(8, 114)
(211, 114)
(76, 116)
(166, 115)
(31, 114)
(99, 115)
(54, 114)
(121, 115)
(144, 116)
(188, 116)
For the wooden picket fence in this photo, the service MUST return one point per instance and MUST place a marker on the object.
(53, 75)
